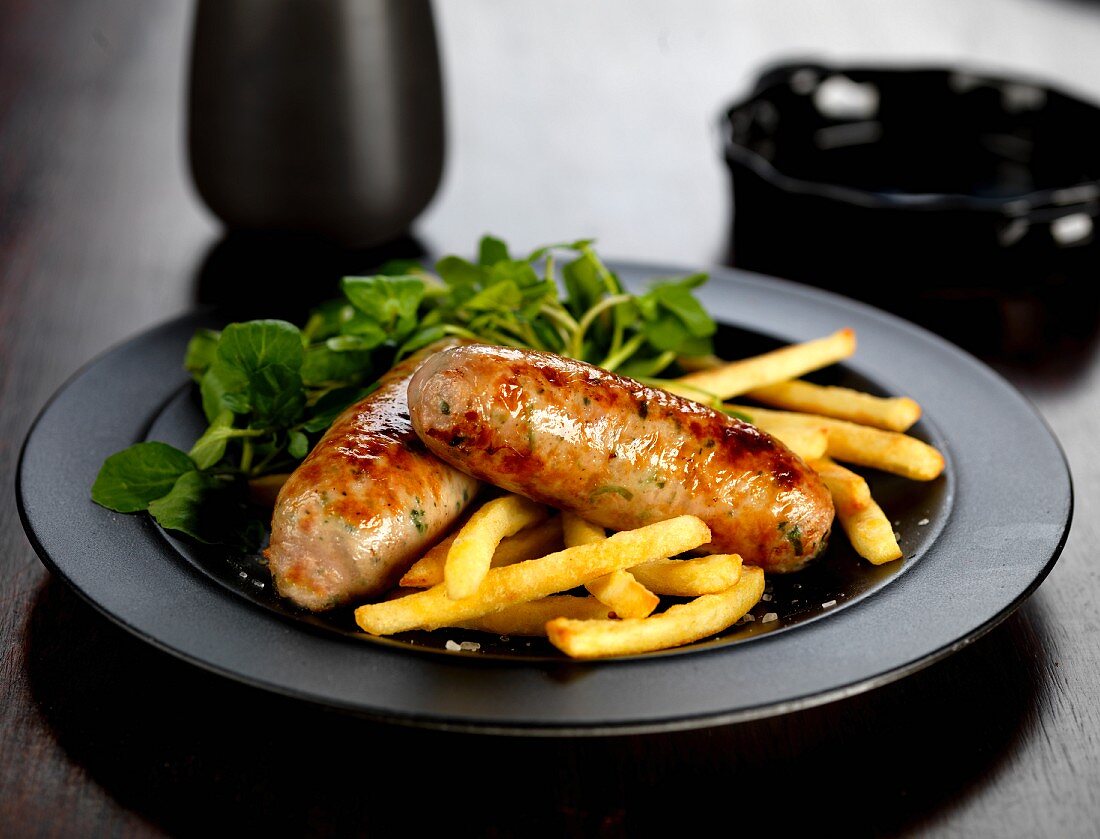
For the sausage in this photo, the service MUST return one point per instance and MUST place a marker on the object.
(365, 503)
(617, 452)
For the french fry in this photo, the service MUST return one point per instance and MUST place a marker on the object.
(850, 492)
(624, 595)
(531, 618)
(702, 617)
(789, 362)
(531, 542)
(471, 553)
(886, 450)
(806, 442)
(576, 531)
(689, 577)
(526, 581)
(695, 363)
(867, 527)
(897, 413)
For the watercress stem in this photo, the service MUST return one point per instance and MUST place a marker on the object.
(614, 359)
(577, 344)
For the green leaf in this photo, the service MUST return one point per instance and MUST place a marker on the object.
(257, 344)
(674, 319)
(521, 273)
(696, 346)
(421, 338)
(332, 404)
(548, 335)
(327, 320)
(401, 267)
(458, 272)
(223, 388)
(208, 509)
(200, 352)
(689, 282)
(298, 445)
(323, 365)
(665, 332)
(491, 250)
(544, 291)
(181, 508)
(390, 302)
(210, 447)
(363, 335)
(668, 332)
(677, 298)
(130, 479)
(504, 296)
(269, 354)
(583, 284)
(278, 398)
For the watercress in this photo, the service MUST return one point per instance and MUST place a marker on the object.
(269, 389)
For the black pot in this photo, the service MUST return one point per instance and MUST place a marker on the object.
(914, 187)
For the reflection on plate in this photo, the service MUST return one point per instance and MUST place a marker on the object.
(976, 542)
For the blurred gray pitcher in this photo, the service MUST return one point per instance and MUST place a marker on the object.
(316, 116)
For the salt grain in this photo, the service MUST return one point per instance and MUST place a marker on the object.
(922, 522)
(469, 646)
(828, 603)
(452, 646)
(746, 619)
(766, 597)
(768, 618)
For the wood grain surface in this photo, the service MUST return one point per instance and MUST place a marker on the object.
(101, 236)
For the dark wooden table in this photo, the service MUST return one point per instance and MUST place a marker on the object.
(101, 236)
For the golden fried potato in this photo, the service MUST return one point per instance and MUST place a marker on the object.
(624, 595)
(526, 581)
(471, 553)
(689, 577)
(531, 542)
(806, 442)
(887, 450)
(701, 618)
(531, 618)
(867, 527)
(896, 413)
(738, 377)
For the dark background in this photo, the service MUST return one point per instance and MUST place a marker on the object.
(564, 121)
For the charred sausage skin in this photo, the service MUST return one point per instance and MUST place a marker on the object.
(365, 503)
(617, 452)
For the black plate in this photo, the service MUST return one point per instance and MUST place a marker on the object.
(977, 541)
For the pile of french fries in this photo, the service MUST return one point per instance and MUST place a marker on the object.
(826, 424)
(508, 585)
(505, 569)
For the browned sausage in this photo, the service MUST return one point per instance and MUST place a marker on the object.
(365, 503)
(617, 452)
